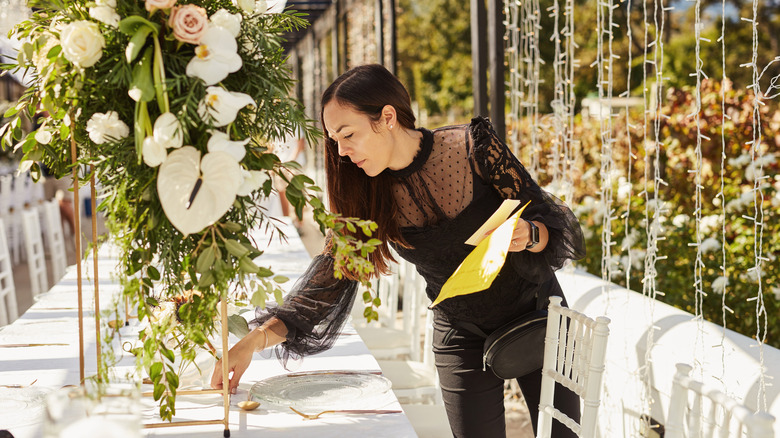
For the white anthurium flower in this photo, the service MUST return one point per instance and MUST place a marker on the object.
(168, 131)
(224, 19)
(251, 181)
(154, 152)
(223, 105)
(215, 57)
(220, 141)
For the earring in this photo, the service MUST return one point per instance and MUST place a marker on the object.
(391, 126)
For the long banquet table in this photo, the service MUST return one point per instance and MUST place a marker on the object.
(53, 321)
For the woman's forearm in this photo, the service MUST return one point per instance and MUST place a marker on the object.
(272, 332)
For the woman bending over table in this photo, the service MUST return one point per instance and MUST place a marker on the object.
(428, 191)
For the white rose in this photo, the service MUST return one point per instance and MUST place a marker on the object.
(261, 6)
(106, 127)
(105, 14)
(82, 43)
(227, 21)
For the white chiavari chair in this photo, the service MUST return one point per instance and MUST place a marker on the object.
(55, 241)
(36, 259)
(574, 355)
(697, 410)
(8, 307)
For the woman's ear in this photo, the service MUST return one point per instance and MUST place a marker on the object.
(388, 117)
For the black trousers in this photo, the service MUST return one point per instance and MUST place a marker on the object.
(474, 398)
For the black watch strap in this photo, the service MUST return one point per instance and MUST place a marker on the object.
(534, 237)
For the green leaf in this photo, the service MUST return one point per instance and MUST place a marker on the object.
(258, 298)
(206, 280)
(155, 371)
(377, 302)
(11, 111)
(236, 248)
(245, 264)
(153, 273)
(366, 297)
(142, 82)
(159, 389)
(238, 325)
(54, 52)
(205, 260)
(172, 379)
(264, 272)
(281, 279)
(168, 353)
(232, 227)
(278, 296)
(131, 24)
(137, 42)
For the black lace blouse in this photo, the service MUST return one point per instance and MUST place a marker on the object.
(457, 180)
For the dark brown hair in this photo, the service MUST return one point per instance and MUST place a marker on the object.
(352, 193)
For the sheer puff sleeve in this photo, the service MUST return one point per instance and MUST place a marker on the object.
(497, 166)
(314, 311)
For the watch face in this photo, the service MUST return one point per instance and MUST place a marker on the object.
(534, 235)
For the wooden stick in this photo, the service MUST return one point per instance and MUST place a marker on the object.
(95, 273)
(182, 423)
(225, 365)
(77, 241)
(187, 392)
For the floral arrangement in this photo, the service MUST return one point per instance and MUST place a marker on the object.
(170, 106)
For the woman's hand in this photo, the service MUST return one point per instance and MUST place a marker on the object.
(521, 236)
(239, 358)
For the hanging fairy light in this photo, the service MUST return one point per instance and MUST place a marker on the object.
(514, 69)
(758, 214)
(698, 266)
(531, 61)
(654, 208)
(630, 155)
(605, 24)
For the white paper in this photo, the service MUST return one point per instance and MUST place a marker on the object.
(502, 213)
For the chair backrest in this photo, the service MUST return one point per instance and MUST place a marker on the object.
(574, 355)
(8, 308)
(36, 260)
(695, 410)
(55, 241)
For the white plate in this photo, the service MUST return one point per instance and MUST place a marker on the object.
(22, 406)
(321, 391)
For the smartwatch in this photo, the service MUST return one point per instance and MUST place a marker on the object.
(534, 238)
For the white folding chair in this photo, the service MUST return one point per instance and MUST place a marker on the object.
(697, 410)
(55, 241)
(8, 308)
(415, 381)
(36, 260)
(384, 338)
(574, 355)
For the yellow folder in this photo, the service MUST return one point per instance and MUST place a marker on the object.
(479, 269)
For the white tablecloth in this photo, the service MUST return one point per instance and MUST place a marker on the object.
(53, 319)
